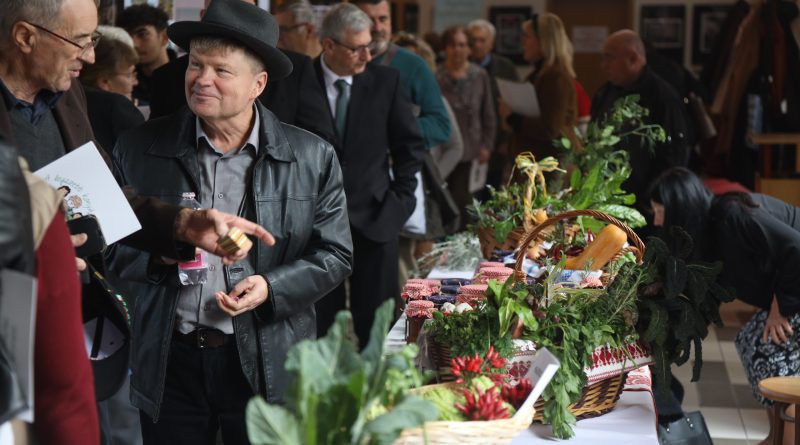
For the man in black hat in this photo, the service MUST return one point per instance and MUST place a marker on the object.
(295, 99)
(200, 352)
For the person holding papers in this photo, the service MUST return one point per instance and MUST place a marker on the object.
(548, 49)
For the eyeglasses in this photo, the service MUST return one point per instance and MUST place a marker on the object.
(535, 23)
(291, 28)
(354, 50)
(94, 38)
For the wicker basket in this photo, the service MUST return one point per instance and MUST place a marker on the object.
(601, 397)
(636, 245)
(441, 359)
(489, 432)
(596, 399)
(489, 244)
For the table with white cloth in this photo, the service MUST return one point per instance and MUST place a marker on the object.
(631, 422)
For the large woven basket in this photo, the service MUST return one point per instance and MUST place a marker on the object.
(596, 399)
(600, 397)
(489, 432)
(489, 243)
(636, 246)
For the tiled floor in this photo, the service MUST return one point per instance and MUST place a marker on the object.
(722, 394)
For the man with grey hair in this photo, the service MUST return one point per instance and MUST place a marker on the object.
(298, 27)
(201, 352)
(482, 34)
(380, 149)
(43, 47)
(482, 37)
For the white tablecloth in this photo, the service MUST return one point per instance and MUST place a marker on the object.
(631, 422)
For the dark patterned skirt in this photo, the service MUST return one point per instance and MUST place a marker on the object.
(762, 360)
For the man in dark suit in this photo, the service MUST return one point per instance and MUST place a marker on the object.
(295, 100)
(380, 149)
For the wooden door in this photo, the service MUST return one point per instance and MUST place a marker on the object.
(611, 14)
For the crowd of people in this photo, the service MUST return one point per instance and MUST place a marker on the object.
(343, 149)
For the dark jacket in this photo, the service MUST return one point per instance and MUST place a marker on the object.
(157, 219)
(668, 111)
(111, 115)
(295, 100)
(16, 228)
(759, 248)
(381, 134)
(296, 193)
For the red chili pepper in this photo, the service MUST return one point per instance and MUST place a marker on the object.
(516, 394)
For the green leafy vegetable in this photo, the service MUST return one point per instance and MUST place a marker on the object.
(339, 396)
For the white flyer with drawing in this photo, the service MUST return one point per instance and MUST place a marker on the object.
(17, 327)
(91, 190)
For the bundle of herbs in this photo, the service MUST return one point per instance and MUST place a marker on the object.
(339, 396)
(677, 301)
(572, 322)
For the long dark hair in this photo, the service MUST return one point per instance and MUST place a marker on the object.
(686, 202)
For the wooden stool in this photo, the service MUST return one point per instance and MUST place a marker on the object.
(784, 391)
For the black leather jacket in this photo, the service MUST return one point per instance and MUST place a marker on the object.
(16, 252)
(16, 230)
(296, 193)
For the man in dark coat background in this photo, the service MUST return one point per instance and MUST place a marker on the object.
(380, 149)
(625, 65)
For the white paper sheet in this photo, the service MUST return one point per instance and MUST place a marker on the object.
(520, 97)
(543, 367)
(92, 190)
(17, 326)
(477, 175)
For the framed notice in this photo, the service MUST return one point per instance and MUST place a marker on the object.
(664, 28)
(706, 27)
(508, 22)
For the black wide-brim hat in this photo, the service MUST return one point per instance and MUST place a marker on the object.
(243, 22)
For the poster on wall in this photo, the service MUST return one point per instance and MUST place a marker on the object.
(447, 13)
(589, 39)
(663, 27)
(706, 26)
(508, 23)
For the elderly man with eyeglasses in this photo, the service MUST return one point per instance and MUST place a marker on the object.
(296, 20)
(380, 149)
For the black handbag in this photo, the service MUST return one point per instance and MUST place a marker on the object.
(691, 429)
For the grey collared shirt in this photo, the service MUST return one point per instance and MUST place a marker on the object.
(224, 179)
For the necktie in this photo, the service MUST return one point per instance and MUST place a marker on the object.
(341, 105)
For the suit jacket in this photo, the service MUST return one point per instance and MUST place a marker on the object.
(111, 115)
(157, 218)
(381, 134)
(296, 100)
